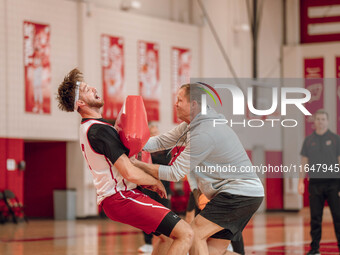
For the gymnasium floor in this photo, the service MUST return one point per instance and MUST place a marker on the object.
(267, 233)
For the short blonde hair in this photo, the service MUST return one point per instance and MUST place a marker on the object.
(320, 111)
(193, 92)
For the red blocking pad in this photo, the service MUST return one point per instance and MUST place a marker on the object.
(132, 124)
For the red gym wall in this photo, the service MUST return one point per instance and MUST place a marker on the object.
(274, 182)
(45, 172)
(13, 180)
(249, 154)
(3, 179)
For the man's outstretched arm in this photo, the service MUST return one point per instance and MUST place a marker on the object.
(138, 176)
(167, 140)
(151, 169)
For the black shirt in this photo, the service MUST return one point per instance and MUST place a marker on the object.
(322, 149)
(104, 139)
(162, 158)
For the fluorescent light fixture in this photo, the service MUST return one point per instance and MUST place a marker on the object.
(127, 5)
(136, 4)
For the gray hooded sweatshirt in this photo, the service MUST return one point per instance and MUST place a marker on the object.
(214, 158)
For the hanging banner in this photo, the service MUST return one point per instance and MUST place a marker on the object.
(112, 52)
(148, 72)
(180, 63)
(313, 73)
(337, 73)
(37, 68)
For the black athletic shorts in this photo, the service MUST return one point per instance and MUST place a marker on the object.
(167, 224)
(231, 212)
(191, 203)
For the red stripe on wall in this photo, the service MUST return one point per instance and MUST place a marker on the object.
(15, 179)
(249, 153)
(314, 73)
(320, 2)
(274, 182)
(3, 157)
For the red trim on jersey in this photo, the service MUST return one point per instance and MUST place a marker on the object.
(125, 185)
(83, 149)
(86, 121)
(98, 121)
(111, 173)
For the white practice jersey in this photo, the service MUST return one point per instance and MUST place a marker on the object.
(106, 177)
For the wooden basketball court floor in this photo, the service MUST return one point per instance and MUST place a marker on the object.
(267, 233)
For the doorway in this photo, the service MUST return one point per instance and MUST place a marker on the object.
(45, 172)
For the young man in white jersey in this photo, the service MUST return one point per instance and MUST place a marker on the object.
(115, 178)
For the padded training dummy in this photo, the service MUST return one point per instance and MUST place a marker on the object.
(132, 124)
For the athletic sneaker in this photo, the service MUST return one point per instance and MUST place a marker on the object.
(146, 248)
(314, 252)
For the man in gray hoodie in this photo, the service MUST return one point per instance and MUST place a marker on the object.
(216, 164)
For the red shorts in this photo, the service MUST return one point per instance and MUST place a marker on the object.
(134, 208)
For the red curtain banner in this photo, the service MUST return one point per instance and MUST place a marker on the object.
(148, 72)
(37, 68)
(181, 64)
(112, 61)
(337, 73)
(313, 73)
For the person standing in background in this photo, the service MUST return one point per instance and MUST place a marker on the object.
(322, 148)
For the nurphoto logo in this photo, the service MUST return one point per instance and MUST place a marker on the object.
(239, 99)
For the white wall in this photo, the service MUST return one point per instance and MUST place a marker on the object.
(79, 178)
(176, 10)
(3, 58)
(228, 16)
(293, 22)
(270, 40)
(61, 16)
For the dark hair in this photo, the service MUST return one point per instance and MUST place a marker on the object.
(66, 90)
(193, 92)
(321, 111)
